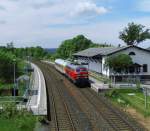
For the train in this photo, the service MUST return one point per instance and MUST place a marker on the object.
(77, 73)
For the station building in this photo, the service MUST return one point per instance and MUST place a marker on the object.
(95, 59)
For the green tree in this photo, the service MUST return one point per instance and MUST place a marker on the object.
(35, 52)
(118, 63)
(8, 53)
(6, 66)
(66, 49)
(78, 43)
(134, 34)
(10, 47)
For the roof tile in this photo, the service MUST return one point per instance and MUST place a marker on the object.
(99, 51)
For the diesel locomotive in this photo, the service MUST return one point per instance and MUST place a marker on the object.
(78, 74)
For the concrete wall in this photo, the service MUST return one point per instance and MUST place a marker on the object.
(141, 57)
(105, 71)
(94, 65)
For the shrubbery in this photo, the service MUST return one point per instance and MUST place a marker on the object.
(22, 119)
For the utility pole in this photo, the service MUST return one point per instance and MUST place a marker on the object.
(145, 97)
(14, 60)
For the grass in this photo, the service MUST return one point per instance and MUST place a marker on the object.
(121, 97)
(12, 119)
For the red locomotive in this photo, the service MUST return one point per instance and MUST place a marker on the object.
(78, 74)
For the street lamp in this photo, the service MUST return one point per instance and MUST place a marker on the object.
(28, 59)
(14, 61)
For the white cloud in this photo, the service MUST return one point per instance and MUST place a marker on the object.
(26, 22)
(3, 22)
(2, 8)
(88, 8)
(144, 5)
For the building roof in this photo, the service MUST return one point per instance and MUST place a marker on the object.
(98, 51)
(91, 52)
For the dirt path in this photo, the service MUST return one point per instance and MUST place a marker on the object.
(139, 117)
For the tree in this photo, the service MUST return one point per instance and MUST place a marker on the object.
(134, 34)
(70, 46)
(7, 66)
(118, 63)
(10, 47)
(36, 52)
(78, 43)
(9, 53)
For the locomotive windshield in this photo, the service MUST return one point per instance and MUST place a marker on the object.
(81, 69)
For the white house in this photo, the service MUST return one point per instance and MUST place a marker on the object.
(95, 57)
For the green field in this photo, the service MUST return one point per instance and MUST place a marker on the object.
(130, 97)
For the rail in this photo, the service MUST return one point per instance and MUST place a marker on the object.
(60, 114)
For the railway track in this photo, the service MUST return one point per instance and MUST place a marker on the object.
(97, 123)
(60, 117)
(117, 119)
(72, 108)
(65, 113)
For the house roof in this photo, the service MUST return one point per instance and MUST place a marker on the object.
(91, 52)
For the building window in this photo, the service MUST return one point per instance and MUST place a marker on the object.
(137, 69)
(131, 69)
(145, 68)
(132, 53)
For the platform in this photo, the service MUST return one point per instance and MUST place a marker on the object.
(37, 102)
(97, 85)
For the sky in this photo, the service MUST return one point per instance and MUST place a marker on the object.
(47, 23)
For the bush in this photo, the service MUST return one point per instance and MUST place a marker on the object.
(8, 111)
(112, 93)
(25, 120)
(22, 119)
